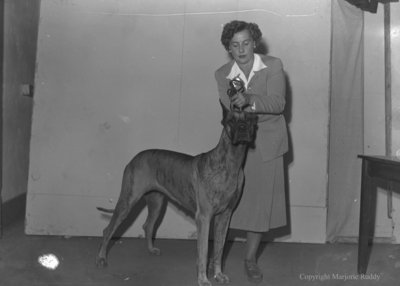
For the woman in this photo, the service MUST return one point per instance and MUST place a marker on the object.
(262, 205)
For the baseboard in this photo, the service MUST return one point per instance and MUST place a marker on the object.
(14, 210)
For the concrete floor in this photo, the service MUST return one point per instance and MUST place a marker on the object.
(130, 264)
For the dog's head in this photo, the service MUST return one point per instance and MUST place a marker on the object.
(239, 125)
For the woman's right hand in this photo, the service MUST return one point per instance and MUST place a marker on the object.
(240, 100)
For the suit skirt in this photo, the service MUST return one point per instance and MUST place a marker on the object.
(262, 205)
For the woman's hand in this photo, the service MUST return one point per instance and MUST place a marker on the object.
(240, 100)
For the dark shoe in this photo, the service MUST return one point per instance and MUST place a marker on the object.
(253, 272)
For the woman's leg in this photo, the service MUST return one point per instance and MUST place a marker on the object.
(252, 270)
(252, 245)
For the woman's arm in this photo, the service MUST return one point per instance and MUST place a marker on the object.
(273, 102)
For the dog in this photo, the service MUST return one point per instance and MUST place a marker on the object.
(208, 186)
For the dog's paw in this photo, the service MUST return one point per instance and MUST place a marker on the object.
(101, 262)
(155, 251)
(221, 278)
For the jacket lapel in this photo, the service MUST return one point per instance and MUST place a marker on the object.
(256, 75)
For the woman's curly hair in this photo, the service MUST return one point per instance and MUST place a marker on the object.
(235, 26)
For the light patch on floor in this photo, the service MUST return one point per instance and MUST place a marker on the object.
(49, 261)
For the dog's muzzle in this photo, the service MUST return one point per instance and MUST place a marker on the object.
(242, 132)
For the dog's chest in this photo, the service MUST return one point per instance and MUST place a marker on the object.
(222, 187)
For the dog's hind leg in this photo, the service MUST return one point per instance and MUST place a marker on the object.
(154, 201)
(126, 201)
(120, 213)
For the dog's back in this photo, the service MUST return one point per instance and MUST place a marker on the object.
(166, 171)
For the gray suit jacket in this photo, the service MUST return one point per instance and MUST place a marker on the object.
(267, 91)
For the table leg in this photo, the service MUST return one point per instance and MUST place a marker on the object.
(367, 217)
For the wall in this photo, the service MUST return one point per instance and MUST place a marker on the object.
(374, 105)
(20, 32)
(117, 77)
(346, 120)
(395, 70)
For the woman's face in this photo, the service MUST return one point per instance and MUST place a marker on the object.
(241, 47)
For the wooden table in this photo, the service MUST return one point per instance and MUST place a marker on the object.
(373, 167)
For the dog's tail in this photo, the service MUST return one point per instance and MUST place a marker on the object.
(105, 210)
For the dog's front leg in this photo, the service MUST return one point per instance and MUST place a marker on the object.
(203, 229)
(221, 224)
